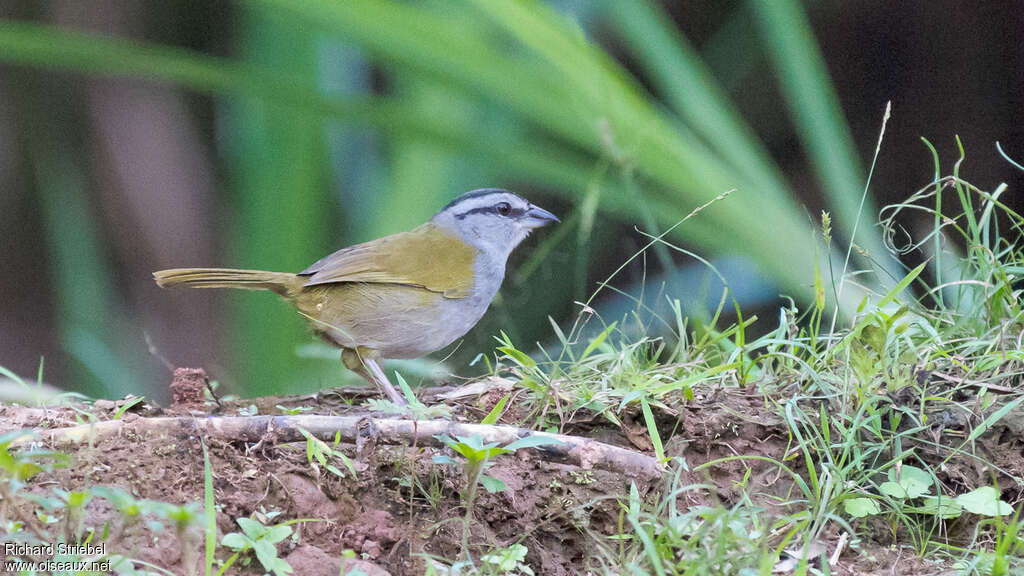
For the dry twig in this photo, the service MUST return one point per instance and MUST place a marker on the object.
(582, 452)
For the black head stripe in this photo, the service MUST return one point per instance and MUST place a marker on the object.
(475, 194)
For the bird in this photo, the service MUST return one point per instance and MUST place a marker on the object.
(401, 296)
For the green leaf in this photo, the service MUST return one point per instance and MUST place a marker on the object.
(875, 337)
(945, 508)
(442, 459)
(496, 412)
(127, 406)
(474, 448)
(520, 358)
(410, 397)
(634, 500)
(985, 502)
(78, 499)
(12, 376)
(652, 430)
(253, 529)
(445, 439)
(901, 285)
(892, 489)
(861, 507)
(474, 442)
(20, 470)
(914, 481)
(277, 533)
(992, 419)
(282, 568)
(266, 553)
(121, 500)
(631, 396)
(532, 441)
(597, 341)
(236, 541)
(491, 484)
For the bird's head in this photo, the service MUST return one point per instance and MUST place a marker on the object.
(493, 220)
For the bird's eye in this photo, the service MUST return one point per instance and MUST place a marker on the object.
(504, 208)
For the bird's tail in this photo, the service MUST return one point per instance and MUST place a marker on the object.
(280, 282)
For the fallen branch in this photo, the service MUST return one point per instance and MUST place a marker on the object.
(582, 452)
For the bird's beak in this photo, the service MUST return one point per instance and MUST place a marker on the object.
(536, 217)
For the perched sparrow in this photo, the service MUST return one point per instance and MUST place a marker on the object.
(404, 295)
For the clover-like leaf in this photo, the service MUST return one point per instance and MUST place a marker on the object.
(984, 501)
(892, 489)
(861, 507)
(914, 481)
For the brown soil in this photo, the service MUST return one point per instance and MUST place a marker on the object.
(550, 507)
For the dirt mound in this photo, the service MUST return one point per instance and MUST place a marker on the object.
(397, 509)
(386, 506)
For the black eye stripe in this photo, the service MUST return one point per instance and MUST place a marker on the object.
(514, 213)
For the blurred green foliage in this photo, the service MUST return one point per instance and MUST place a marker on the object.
(276, 158)
(478, 93)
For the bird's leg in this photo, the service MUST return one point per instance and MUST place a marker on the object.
(370, 370)
(382, 382)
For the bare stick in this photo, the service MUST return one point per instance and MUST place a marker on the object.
(574, 450)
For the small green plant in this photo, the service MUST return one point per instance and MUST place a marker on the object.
(74, 512)
(477, 457)
(506, 561)
(495, 562)
(659, 538)
(20, 465)
(16, 468)
(126, 505)
(908, 490)
(184, 518)
(347, 555)
(262, 541)
(129, 403)
(319, 453)
(415, 410)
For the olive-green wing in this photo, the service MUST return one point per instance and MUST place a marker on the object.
(428, 257)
